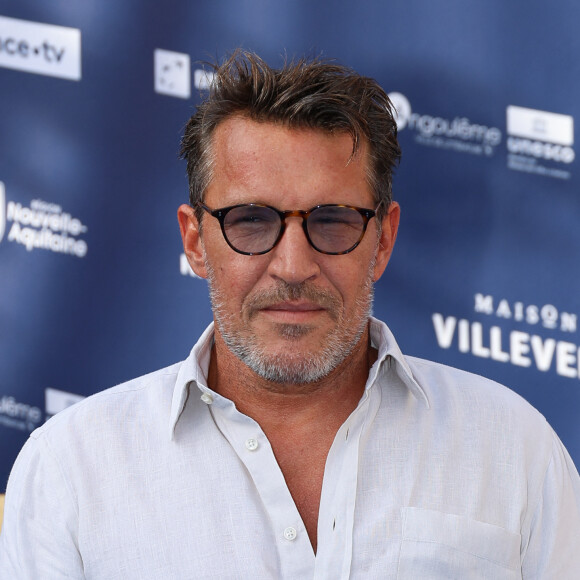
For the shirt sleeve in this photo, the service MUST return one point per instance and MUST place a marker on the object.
(40, 530)
(553, 549)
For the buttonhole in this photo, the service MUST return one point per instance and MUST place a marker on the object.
(347, 433)
(333, 524)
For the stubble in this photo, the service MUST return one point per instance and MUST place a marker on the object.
(292, 365)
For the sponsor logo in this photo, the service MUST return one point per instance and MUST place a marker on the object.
(172, 73)
(547, 315)
(16, 415)
(24, 417)
(56, 401)
(540, 142)
(402, 109)
(38, 48)
(41, 225)
(516, 347)
(540, 125)
(203, 79)
(185, 268)
(458, 134)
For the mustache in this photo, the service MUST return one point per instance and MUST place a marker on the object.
(284, 292)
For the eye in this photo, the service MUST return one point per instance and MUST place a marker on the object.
(248, 216)
(246, 219)
(335, 216)
(338, 220)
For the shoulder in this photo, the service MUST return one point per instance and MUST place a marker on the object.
(144, 398)
(441, 382)
(479, 402)
(486, 424)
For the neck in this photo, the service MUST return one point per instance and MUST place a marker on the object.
(316, 405)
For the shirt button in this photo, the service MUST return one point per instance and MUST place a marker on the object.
(290, 533)
(251, 444)
(207, 398)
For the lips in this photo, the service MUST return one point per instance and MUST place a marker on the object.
(293, 312)
(294, 307)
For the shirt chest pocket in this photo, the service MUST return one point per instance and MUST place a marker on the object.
(437, 545)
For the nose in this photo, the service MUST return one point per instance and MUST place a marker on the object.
(293, 259)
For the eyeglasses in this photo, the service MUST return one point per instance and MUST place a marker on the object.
(253, 229)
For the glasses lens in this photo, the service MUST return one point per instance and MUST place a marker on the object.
(252, 228)
(335, 229)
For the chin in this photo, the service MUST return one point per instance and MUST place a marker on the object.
(289, 372)
(293, 331)
(298, 363)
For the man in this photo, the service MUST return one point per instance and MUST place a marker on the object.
(296, 441)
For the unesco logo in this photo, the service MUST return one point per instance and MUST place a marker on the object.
(540, 142)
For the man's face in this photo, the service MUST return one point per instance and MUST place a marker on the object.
(293, 314)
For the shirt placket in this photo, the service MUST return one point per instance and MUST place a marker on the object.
(296, 557)
(339, 488)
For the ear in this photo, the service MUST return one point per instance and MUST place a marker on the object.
(190, 235)
(390, 226)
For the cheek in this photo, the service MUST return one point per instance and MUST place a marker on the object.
(236, 278)
(351, 279)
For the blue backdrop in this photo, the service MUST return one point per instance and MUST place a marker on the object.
(93, 99)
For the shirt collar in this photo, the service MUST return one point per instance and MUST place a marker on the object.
(383, 340)
(195, 368)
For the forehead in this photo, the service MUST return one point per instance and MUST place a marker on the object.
(254, 158)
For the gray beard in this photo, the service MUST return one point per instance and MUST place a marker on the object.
(289, 367)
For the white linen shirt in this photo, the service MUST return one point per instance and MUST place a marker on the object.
(437, 474)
